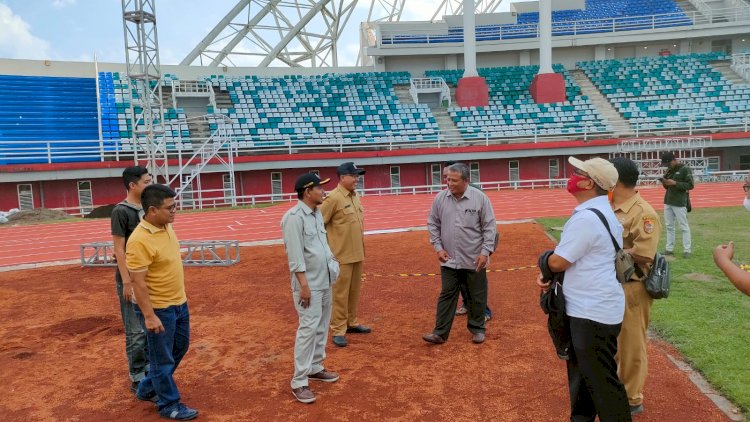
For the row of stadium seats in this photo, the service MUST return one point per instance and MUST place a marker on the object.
(61, 111)
(115, 96)
(598, 16)
(512, 111)
(360, 107)
(659, 92)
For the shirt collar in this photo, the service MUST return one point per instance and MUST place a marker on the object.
(466, 194)
(150, 227)
(596, 202)
(305, 208)
(344, 191)
(627, 205)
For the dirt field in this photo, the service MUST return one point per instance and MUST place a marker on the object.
(62, 354)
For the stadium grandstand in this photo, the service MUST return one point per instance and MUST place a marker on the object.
(640, 76)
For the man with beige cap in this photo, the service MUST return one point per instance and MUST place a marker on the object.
(594, 299)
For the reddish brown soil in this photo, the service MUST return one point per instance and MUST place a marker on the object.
(62, 354)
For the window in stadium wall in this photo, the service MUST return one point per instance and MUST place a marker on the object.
(514, 172)
(714, 164)
(395, 179)
(554, 168)
(228, 191)
(360, 183)
(25, 197)
(474, 173)
(85, 197)
(744, 162)
(436, 177)
(275, 186)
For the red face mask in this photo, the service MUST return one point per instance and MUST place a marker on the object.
(573, 183)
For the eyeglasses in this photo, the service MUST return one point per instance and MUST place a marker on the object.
(171, 208)
(746, 188)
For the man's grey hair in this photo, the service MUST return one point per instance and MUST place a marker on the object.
(461, 169)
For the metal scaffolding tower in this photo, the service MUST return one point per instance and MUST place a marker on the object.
(647, 154)
(146, 109)
(299, 33)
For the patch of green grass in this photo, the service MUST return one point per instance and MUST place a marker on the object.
(708, 321)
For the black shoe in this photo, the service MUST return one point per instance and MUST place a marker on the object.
(686, 255)
(433, 338)
(359, 329)
(178, 411)
(636, 409)
(668, 253)
(340, 341)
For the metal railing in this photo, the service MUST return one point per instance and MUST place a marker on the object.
(399, 37)
(433, 84)
(19, 152)
(741, 65)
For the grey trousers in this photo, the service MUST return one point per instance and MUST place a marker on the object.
(136, 348)
(677, 215)
(312, 335)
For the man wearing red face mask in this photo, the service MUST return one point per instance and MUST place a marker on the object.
(594, 299)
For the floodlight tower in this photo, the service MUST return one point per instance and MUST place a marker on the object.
(144, 73)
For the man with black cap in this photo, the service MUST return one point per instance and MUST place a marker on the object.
(678, 181)
(313, 271)
(343, 216)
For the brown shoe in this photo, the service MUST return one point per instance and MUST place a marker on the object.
(324, 376)
(433, 338)
(303, 394)
(478, 338)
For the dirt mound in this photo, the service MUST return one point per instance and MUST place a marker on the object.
(37, 215)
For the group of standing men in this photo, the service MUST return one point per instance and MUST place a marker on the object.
(324, 242)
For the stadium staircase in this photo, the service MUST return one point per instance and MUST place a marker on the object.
(687, 6)
(442, 117)
(725, 68)
(620, 126)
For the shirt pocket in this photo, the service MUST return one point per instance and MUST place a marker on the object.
(470, 219)
(349, 214)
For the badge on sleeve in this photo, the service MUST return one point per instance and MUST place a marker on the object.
(648, 225)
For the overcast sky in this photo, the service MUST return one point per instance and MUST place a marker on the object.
(77, 29)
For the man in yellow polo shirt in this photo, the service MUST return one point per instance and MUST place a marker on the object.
(343, 216)
(155, 265)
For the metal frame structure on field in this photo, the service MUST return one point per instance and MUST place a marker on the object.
(299, 33)
(647, 153)
(197, 253)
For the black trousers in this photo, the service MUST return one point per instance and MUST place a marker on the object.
(594, 386)
(474, 283)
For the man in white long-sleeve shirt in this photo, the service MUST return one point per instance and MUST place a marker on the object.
(313, 271)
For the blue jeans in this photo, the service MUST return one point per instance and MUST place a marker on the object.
(135, 339)
(165, 351)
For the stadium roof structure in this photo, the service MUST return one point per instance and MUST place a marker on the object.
(299, 33)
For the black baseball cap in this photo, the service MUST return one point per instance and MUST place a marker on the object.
(309, 180)
(667, 157)
(349, 168)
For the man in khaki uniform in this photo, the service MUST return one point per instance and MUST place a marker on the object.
(343, 216)
(640, 239)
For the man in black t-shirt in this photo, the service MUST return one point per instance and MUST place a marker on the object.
(125, 218)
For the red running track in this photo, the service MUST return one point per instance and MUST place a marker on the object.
(61, 241)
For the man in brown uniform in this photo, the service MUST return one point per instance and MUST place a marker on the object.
(641, 232)
(343, 216)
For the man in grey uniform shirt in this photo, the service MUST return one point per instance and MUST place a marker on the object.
(462, 231)
(314, 270)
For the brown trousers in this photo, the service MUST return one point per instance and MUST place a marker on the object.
(632, 343)
(346, 298)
